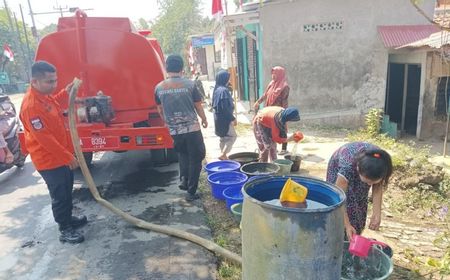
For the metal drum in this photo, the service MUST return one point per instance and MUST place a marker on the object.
(291, 243)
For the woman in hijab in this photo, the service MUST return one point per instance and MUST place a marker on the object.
(224, 121)
(276, 94)
(270, 127)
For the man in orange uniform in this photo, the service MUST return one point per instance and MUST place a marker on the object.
(47, 142)
(270, 127)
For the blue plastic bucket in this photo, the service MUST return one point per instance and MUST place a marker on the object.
(311, 238)
(232, 196)
(222, 166)
(219, 181)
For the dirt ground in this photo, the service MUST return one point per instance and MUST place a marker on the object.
(409, 230)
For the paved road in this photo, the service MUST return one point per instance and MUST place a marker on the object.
(113, 249)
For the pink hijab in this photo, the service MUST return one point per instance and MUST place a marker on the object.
(276, 86)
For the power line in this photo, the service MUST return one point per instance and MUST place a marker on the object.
(60, 10)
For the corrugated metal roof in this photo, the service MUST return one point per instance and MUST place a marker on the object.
(435, 40)
(394, 36)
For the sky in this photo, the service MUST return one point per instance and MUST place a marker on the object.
(133, 9)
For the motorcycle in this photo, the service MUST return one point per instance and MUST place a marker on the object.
(9, 128)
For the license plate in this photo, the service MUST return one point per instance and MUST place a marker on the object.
(100, 142)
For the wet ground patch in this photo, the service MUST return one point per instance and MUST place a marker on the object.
(143, 180)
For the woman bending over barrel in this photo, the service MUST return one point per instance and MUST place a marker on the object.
(270, 128)
(355, 167)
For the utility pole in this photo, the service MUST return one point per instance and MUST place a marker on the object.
(60, 8)
(25, 56)
(9, 16)
(33, 28)
(26, 35)
(15, 35)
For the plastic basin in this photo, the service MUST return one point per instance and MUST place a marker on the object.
(285, 166)
(232, 196)
(245, 157)
(260, 168)
(236, 209)
(222, 166)
(376, 266)
(296, 162)
(219, 181)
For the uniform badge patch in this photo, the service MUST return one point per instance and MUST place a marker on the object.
(37, 124)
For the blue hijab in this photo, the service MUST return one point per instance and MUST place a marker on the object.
(220, 89)
(290, 114)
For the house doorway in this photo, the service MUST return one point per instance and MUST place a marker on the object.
(200, 60)
(402, 96)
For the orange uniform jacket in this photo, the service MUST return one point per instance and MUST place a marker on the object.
(46, 137)
(266, 117)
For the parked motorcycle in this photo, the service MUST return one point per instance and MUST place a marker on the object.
(9, 128)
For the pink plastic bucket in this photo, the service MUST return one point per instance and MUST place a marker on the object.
(360, 246)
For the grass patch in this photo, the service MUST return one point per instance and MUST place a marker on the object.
(225, 230)
(229, 271)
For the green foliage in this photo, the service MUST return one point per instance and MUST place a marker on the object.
(177, 20)
(373, 122)
(229, 271)
(16, 40)
(221, 240)
(142, 24)
(442, 242)
(424, 197)
(47, 30)
(403, 154)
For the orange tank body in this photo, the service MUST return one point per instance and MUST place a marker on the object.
(108, 55)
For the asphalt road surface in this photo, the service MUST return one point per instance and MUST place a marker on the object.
(113, 249)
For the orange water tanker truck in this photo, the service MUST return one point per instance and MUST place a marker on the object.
(120, 68)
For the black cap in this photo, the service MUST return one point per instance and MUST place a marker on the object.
(174, 63)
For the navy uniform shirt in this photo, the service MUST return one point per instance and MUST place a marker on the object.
(177, 96)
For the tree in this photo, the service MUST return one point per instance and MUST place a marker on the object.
(176, 21)
(17, 69)
(143, 24)
(47, 30)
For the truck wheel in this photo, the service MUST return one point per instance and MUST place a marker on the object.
(88, 157)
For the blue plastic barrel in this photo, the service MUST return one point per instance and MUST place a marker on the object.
(291, 243)
(219, 181)
(221, 166)
(232, 196)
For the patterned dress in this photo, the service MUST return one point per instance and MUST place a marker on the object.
(343, 162)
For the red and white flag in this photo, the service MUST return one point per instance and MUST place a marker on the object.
(217, 10)
(8, 52)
